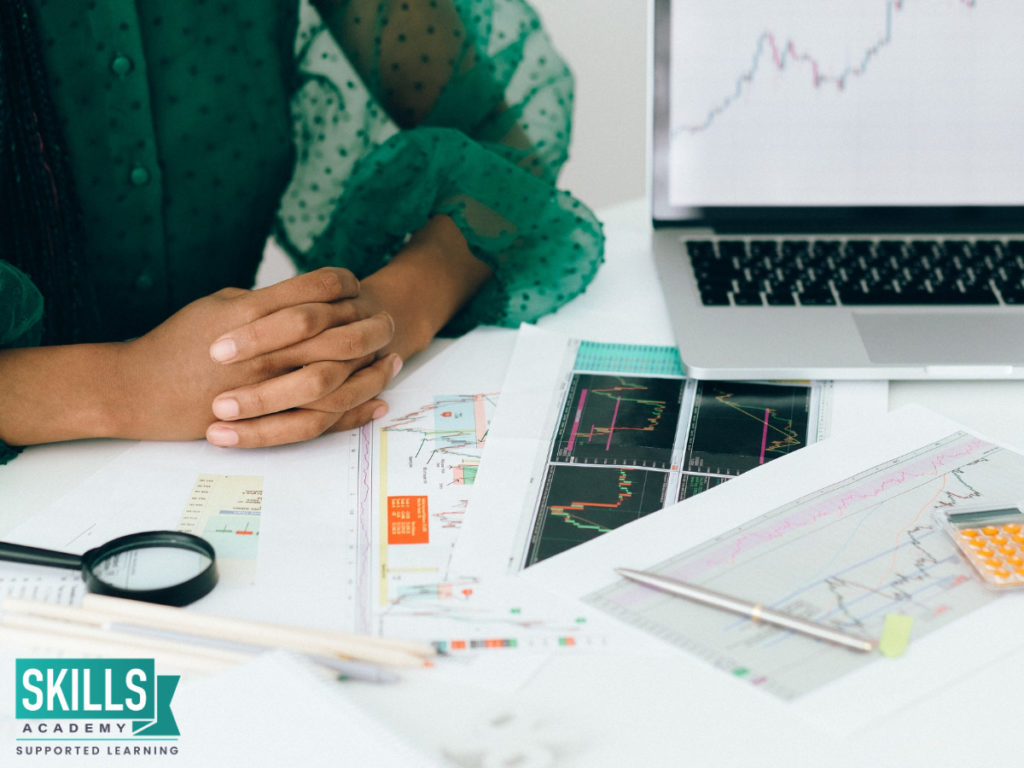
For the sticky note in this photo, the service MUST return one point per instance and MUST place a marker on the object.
(408, 521)
(895, 634)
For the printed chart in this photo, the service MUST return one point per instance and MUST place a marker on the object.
(584, 502)
(626, 445)
(619, 420)
(846, 555)
(225, 510)
(427, 458)
(736, 426)
(469, 616)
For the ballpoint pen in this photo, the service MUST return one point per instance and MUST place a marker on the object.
(755, 611)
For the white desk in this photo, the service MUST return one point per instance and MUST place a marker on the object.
(595, 709)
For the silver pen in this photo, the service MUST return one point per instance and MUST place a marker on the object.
(755, 611)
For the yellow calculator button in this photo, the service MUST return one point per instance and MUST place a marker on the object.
(970, 532)
(1018, 537)
(1000, 540)
(992, 562)
(1015, 560)
(1012, 527)
(990, 530)
(985, 552)
(1001, 573)
(1007, 550)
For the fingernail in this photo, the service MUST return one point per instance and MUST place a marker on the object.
(222, 436)
(398, 366)
(381, 412)
(223, 350)
(225, 408)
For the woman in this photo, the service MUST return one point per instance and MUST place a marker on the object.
(402, 152)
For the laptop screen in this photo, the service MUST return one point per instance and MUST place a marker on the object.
(838, 108)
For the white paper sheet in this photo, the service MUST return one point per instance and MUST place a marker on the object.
(948, 678)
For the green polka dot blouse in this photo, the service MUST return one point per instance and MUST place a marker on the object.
(196, 128)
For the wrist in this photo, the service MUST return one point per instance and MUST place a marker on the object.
(425, 284)
(52, 394)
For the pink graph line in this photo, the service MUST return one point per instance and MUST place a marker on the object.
(576, 421)
(764, 435)
(926, 468)
(611, 429)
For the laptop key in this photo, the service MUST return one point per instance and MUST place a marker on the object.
(733, 249)
(1013, 293)
(795, 249)
(696, 249)
(817, 299)
(748, 297)
(714, 298)
(780, 299)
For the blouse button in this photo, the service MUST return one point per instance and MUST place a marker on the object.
(121, 66)
(144, 281)
(139, 176)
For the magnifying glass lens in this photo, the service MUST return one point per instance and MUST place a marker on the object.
(148, 568)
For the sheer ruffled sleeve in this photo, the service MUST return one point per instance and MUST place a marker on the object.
(21, 309)
(457, 107)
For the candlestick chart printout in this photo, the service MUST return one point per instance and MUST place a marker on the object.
(845, 555)
(626, 444)
(845, 102)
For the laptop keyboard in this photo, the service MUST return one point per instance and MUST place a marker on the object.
(788, 272)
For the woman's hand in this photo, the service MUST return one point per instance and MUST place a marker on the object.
(340, 354)
(275, 365)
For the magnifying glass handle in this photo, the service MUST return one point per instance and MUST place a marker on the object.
(19, 553)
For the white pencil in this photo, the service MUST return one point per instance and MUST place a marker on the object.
(102, 611)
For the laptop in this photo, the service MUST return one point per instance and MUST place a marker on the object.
(837, 191)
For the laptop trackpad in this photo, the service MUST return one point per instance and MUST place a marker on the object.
(945, 339)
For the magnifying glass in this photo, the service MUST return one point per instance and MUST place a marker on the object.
(168, 567)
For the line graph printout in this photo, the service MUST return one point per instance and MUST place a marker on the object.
(845, 102)
(427, 455)
(736, 426)
(846, 555)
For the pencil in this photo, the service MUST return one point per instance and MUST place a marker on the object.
(755, 611)
(102, 611)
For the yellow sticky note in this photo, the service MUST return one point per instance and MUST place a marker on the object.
(895, 634)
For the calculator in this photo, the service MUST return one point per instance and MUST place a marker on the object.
(991, 539)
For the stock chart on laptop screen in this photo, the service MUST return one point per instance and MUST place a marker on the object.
(846, 102)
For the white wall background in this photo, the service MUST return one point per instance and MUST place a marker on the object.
(605, 44)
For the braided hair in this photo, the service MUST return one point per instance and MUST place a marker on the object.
(40, 223)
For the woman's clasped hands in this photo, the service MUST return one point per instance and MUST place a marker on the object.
(275, 365)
